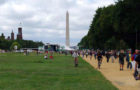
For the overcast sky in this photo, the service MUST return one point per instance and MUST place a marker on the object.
(44, 20)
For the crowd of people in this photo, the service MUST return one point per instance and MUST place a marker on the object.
(132, 59)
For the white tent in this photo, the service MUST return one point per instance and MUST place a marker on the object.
(68, 48)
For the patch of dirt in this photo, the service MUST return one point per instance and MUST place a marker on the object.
(123, 80)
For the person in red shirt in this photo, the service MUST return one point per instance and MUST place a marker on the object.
(134, 57)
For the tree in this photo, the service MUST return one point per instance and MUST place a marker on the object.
(15, 44)
(113, 25)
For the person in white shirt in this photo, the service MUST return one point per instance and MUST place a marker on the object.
(75, 55)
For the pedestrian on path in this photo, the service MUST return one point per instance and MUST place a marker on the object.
(86, 54)
(137, 66)
(107, 56)
(121, 59)
(115, 54)
(129, 59)
(95, 54)
(83, 54)
(90, 53)
(134, 58)
(99, 57)
(112, 56)
(75, 55)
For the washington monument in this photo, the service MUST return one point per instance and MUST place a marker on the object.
(67, 30)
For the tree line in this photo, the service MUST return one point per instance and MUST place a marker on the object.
(8, 44)
(116, 26)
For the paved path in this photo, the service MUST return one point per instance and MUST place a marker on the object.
(123, 80)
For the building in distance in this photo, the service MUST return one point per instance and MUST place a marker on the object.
(19, 35)
(12, 35)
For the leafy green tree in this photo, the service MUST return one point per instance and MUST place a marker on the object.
(15, 44)
(114, 27)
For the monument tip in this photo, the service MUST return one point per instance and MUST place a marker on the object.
(67, 11)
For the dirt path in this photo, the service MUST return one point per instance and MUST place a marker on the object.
(123, 80)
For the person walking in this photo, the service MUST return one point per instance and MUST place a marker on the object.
(129, 59)
(99, 57)
(90, 53)
(83, 54)
(86, 54)
(75, 55)
(134, 57)
(107, 56)
(121, 59)
(112, 56)
(137, 67)
(115, 54)
(95, 54)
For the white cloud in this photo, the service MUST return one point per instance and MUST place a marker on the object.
(44, 20)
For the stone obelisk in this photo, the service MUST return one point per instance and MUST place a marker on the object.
(67, 30)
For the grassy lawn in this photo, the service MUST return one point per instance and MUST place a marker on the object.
(19, 72)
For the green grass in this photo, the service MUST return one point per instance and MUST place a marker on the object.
(19, 72)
